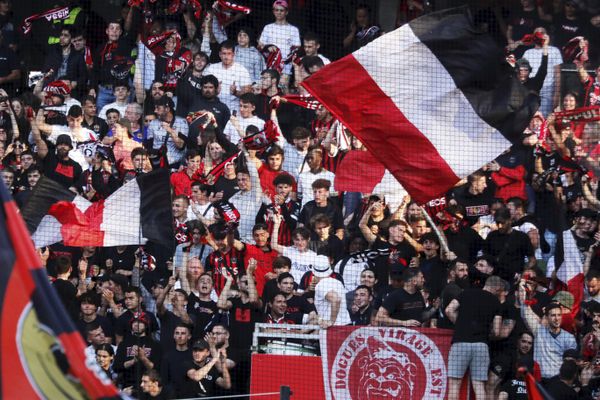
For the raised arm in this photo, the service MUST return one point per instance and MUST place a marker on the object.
(277, 218)
(223, 303)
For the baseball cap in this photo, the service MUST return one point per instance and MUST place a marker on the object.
(165, 101)
(200, 344)
(280, 3)
(64, 139)
(321, 268)
(563, 298)
(587, 213)
(571, 353)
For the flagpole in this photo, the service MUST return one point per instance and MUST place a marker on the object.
(441, 237)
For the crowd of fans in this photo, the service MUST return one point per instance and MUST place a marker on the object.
(262, 234)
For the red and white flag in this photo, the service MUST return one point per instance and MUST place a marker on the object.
(433, 100)
(137, 212)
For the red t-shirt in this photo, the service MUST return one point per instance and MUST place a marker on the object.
(264, 264)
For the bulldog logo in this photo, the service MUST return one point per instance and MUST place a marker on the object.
(386, 363)
(387, 372)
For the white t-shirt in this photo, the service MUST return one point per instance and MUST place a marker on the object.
(301, 262)
(306, 180)
(232, 134)
(293, 159)
(282, 36)
(84, 145)
(323, 307)
(235, 73)
(120, 108)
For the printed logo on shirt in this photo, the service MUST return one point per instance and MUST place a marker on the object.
(65, 170)
(242, 315)
(477, 211)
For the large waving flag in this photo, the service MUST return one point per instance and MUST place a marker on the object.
(569, 268)
(137, 212)
(433, 100)
(41, 353)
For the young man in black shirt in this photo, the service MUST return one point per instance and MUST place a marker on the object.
(508, 247)
(475, 313)
(404, 306)
(202, 376)
(361, 309)
(172, 368)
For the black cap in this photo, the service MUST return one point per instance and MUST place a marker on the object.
(587, 213)
(165, 101)
(64, 139)
(571, 353)
(200, 344)
(160, 281)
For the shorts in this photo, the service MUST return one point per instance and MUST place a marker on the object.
(475, 356)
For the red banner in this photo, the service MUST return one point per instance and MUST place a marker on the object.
(363, 363)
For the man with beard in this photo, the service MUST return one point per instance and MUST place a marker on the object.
(551, 341)
(181, 181)
(137, 353)
(476, 314)
(172, 366)
(404, 306)
(458, 280)
(209, 101)
(58, 166)
(169, 131)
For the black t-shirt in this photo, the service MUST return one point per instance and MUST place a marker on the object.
(124, 260)
(566, 29)
(311, 209)
(465, 243)
(435, 273)
(67, 292)
(403, 306)
(242, 317)
(475, 205)
(228, 186)
(400, 254)
(206, 387)
(67, 173)
(476, 311)
(297, 306)
(559, 389)
(203, 312)
(173, 371)
(516, 389)
(362, 318)
(98, 126)
(509, 252)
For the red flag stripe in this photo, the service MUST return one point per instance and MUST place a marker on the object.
(419, 166)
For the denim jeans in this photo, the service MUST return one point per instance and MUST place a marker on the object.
(104, 96)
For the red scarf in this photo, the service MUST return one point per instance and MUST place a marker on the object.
(50, 15)
(224, 11)
(262, 139)
(581, 114)
(531, 39)
(306, 101)
(219, 169)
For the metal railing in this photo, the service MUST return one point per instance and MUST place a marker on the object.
(282, 332)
